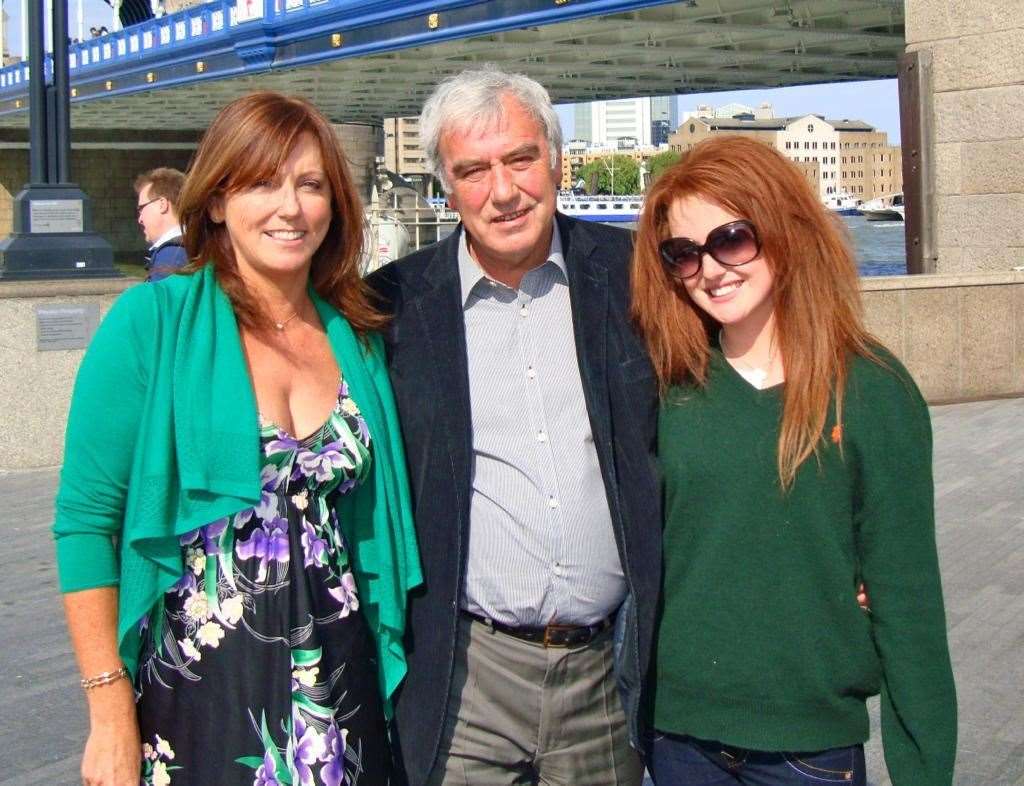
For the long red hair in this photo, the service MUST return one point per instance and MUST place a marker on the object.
(818, 322)
(248, 141)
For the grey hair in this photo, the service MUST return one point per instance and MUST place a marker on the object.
(473, 97)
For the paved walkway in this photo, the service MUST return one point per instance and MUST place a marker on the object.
(979, 469)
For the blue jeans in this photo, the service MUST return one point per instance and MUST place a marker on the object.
(685, 761)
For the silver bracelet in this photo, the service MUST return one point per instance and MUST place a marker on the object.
(105, 678)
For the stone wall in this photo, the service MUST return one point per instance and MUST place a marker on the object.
(977, 116)
(105, 164)
(962, 337)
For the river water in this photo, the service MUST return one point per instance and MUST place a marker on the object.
(879, 246)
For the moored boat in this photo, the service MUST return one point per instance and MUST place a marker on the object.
(885, 208)
(843, 204)
(601, 208)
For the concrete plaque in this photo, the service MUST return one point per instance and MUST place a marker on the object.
(66, 327)
(55, 215)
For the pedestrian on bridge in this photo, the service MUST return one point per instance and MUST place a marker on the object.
(233, 529)
(157, 193)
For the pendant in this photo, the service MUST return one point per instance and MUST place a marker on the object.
(757, 377)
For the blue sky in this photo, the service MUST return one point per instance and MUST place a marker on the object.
(875, 102)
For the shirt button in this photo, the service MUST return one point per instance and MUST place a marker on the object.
(524, 311)
(542, 437)
(552, 502)
(531, 372)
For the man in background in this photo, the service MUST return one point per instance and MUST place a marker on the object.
(157, 192)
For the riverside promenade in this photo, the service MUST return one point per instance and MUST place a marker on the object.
(979, 473)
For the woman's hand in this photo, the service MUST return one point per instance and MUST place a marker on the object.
(113, 752)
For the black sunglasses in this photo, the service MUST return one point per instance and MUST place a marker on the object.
(144, 205)
(732, 244)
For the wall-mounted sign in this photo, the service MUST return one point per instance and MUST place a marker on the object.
(55, 215)
(66, 327)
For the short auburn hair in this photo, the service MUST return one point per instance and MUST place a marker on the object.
(816, 289)
(163, 182)
(249, 141)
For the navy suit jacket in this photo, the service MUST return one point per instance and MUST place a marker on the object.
(426, 345)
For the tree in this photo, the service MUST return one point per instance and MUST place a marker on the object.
(599, 174)
(660, 162)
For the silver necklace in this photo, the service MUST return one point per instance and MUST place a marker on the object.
(280, 325)
(756, 375)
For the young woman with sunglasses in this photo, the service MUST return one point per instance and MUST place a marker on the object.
(796, 455)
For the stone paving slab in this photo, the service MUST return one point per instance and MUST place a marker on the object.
(979, 473)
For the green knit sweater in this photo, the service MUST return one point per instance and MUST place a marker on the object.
(762, 644)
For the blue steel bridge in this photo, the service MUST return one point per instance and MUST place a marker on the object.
(362, 60)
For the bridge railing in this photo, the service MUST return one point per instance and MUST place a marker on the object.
(198, 24)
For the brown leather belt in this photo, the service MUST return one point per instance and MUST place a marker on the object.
(548, 635)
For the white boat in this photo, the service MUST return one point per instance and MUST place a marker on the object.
(844, 204)
(606, 209)
(885, 208)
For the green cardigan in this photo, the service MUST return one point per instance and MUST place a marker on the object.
(163, 437)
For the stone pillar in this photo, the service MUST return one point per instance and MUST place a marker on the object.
(977, 113)
(361, 144)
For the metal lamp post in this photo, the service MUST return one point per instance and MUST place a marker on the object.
(52, 237)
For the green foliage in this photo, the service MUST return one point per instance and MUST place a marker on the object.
(660, 162)
(598, 175)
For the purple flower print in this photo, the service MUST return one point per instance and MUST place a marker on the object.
(189, 537)
(242, 518)
(282, 443)
(333, 771)
(185, 585)
(323, 465)
(345, 593)
(270, 478)
(309, 748)
(315, 548)
(362, 431)
(266, 774)
(270, 542)
(211, 535)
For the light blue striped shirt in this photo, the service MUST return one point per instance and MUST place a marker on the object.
(541, 544)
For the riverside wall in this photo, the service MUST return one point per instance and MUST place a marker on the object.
(961, 336)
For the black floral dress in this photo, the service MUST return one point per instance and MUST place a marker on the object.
(259, 667)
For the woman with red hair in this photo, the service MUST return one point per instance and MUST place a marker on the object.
(796, 454)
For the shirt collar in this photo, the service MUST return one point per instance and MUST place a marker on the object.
(471, 274)
(170, 234)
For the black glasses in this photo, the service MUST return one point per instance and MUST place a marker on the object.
(144, 205)
(732, 244)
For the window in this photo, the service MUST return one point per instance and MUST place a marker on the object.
(693, 127)
(810, 128)
(814, 145)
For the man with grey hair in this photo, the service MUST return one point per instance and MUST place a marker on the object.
(528, 411)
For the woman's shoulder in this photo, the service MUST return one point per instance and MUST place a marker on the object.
(881, 383)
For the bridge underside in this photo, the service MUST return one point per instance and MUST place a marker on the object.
(683, 47)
